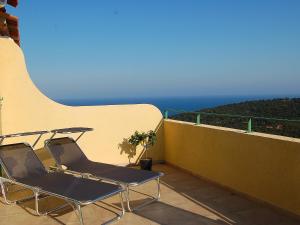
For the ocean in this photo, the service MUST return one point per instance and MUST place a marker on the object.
(164, 103)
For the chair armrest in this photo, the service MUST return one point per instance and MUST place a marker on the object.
(55, 169)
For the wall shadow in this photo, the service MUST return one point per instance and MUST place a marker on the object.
(156, 151)
(45, 157)
(127, 149)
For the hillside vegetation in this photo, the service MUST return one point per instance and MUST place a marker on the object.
(288, 108)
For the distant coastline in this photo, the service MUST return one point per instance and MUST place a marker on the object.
(163, 103)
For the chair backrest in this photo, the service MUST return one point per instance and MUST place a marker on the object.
(65, 151)
(20, 161)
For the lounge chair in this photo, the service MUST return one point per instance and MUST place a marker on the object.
(23, 168)
(69, 157)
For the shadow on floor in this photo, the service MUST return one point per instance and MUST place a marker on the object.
(228, 206)
(166, 214)
(47, 204)
(58, 216)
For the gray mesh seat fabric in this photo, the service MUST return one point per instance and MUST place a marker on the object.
(20, 161)
(23, 167)
(114, 173)
(79, 189)
(66, 152)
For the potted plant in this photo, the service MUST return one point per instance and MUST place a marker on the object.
(146, 140)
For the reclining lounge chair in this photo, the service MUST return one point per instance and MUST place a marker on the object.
(23, 168)
(69, 157)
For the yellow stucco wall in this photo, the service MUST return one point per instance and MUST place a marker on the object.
(25, 108)
(266, 167)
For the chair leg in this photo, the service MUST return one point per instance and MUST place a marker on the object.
(36, 194)
(36, 200)
(4, 190)
(122, 206)
(127, 198)
(119, 216)
(158, 188)
(4, 194)
(154, 198)
(76, 208)
(79, 210)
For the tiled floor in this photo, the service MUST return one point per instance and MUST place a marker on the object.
(185, 200)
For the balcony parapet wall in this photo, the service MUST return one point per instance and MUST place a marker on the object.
(264, 167)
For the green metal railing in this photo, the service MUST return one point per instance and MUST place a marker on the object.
(249, 119)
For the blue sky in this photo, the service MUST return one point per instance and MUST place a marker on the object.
(140, 48)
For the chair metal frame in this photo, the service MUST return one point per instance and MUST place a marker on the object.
(127, 186)
(37, 192)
